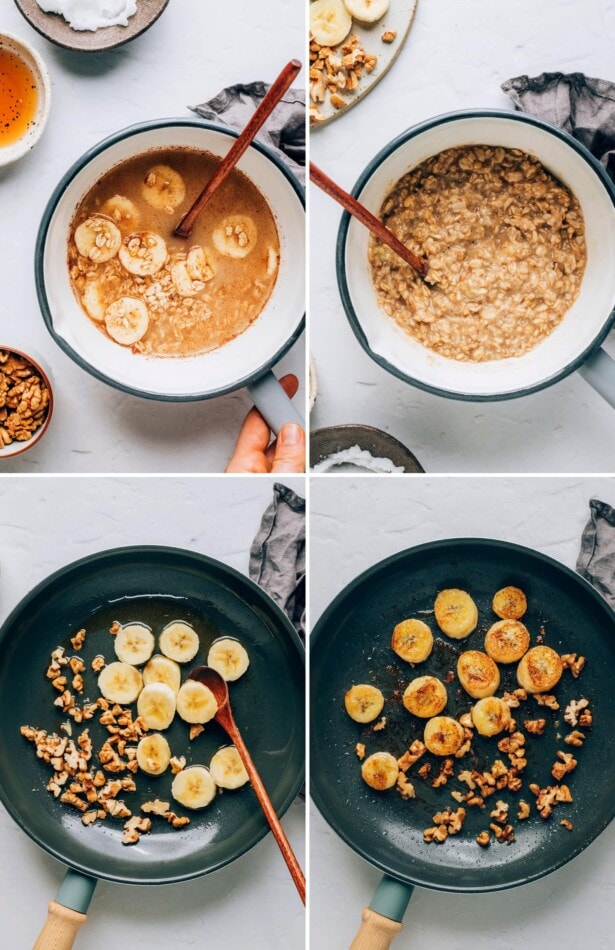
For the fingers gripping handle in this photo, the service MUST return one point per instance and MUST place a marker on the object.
(273, 403)
(376, 932)
(60, 929)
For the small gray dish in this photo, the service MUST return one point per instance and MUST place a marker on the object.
(326, 442)
(55, 28)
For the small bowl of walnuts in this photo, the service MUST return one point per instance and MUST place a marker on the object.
(26, 402)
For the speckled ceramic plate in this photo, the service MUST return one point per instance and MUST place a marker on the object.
(56, 29)
(398, 19)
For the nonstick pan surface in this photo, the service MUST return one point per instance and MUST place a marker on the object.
(351, 644)
(156, 585)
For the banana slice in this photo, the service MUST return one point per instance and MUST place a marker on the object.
(196, 703)
(190, 275)
(540, 670)
(179, 641)
(227, 769)
(456, 613)
(367, 11)
(363, 702)
(478, 674)
(120, 683)
(235, 236)
(123, 211)
(490, 716)
(380, 771)
(443, 735)
(412, 641)
(425, 697)
(163, 188)
(194, 787)
(507, 641)
(229, 658)
(330, 22)
(127, 320)
(94, 300)
(162, 670)
(156, 705)
(153, 754)
(134, 643)
(510, 603)
(98, 239)
(143, 253)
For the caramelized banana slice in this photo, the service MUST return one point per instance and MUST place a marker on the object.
(540, 670)
(380, 771)
(443, 735)
(363, 702)
(425, 696)
(490, 716)
(478, 674)
(507, 641)
(510, 603)
(456, 613)
(412, 640)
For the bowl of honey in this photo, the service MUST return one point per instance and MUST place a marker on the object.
(25, 96)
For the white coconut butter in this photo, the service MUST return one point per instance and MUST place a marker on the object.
(356, 459)
(91, 14)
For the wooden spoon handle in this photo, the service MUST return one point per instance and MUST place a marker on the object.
(361, 213)
(274, 822)
(261, 114)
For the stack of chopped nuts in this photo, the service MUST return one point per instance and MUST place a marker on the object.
(24, 399)
(335, 72)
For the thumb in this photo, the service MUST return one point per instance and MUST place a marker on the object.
(289, 453)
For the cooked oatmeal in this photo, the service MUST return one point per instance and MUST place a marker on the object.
(158, 294)
(506, 248)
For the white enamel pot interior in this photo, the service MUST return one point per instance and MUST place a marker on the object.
(578, 336)
(245, 359)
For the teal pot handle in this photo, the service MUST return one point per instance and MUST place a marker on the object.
(67, 913)
(599, 372)
(381, 921)
(273, 403)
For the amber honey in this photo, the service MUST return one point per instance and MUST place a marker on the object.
(18, 97)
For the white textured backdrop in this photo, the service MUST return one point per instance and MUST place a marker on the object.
(45, 524)
(353, 529)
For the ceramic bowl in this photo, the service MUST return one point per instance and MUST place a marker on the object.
(27, 53)
(18, 448)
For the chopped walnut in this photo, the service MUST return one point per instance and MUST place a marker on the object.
(98, 663)
(425, 770)
(380, 724)
(360, 750)
(336, 70)
(451, 820)
(466, 720)
(196, 731)
(567, 823)
(134, 828)
(573, 663)
(404, 787)
(505, 834)
(467, 777)
(574, 709)
(547, 798)
(89, 817)
(114, 628)
(176, 822)
(450, 676)
(156, 807)
(524, 811)
(513, 699)
(435, 834)
(498, 769)
(78, 640)
(567, 764)
(446, 770)
(483, 839)
(389, 36)
(535, 726)
(500, 812)
(76, 665)
(546, 699)
(177, 763)
(416, 750)
(575, 738)
(78, 683)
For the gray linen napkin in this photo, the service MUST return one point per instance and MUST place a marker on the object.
(596, 561)
(277, 555)
(580, 105)
(284, 131)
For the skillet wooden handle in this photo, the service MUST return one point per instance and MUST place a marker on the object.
(376, 932)
(60, 929)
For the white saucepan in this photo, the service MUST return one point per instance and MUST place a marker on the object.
(573, 345)
(246, 360)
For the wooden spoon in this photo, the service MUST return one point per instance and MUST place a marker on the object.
(224, 716)
(358, 211)
(262, 113)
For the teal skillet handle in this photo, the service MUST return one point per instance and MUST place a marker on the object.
(599, 372)
(67, 913)
(381, 921)
(273, 403)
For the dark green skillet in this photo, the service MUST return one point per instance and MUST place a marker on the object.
(154, 584)
(351, 644)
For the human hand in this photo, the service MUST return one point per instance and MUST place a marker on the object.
(252, 450)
